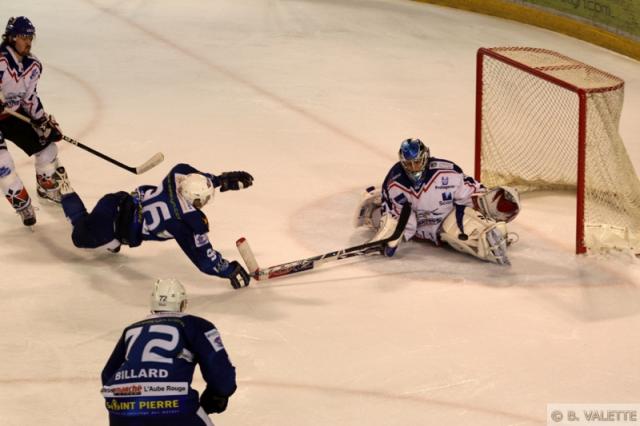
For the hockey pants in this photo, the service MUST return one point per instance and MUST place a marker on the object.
(97, 228)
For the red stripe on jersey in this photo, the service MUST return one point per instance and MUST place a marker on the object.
(426, 187)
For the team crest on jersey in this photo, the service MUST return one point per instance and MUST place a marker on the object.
(445, 180)
(213, 336)
(447, 196)
(201, 239)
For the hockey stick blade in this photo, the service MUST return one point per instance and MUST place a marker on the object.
(366, 249)
(157, 158)
(247, 255)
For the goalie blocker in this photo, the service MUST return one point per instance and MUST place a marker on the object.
(390, 240)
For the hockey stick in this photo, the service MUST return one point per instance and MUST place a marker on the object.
(149, 164)
(366, 249)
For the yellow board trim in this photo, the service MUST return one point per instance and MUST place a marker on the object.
(548, 20)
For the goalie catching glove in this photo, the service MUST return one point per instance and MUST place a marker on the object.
(47, 129)
(234, 181)
(501, 203)
(236, 274)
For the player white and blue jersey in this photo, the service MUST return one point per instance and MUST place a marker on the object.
(19, 81)
(162, 214)
(442, 186)
(151, 368)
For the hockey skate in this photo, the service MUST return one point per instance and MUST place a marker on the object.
(49, 187)
(63, 182)
(21, 203)
(28, 215)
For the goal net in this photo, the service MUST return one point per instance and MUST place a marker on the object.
(545, 121)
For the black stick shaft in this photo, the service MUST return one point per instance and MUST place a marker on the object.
(99, 154)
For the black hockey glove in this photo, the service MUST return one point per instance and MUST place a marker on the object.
(47, 129)
(235, 180)
(237, 275)
(212, 403)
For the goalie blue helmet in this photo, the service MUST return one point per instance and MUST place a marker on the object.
(19, 26)
(413, 155)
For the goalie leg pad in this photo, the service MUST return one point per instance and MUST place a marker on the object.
(476, 235)
(368, 213)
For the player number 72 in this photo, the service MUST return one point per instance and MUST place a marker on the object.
(147, 353)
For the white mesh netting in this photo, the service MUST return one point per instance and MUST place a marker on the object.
(530, 137)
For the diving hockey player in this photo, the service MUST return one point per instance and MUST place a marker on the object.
(147, 379)
(19, 75)
(447, 205)
(169, 211)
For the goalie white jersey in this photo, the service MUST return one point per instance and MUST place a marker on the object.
(442, 187)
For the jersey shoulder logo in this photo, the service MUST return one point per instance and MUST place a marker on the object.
(213, 336)
(440, 165)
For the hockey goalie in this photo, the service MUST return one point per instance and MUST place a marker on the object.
(447, 206)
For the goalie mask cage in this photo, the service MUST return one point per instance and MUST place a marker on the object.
(545, 121)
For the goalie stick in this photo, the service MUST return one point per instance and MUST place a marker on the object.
(366, 249)
(156, 159)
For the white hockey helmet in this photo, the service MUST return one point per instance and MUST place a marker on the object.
(196, 189)
(168, 295)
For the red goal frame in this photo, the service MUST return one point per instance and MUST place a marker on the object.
(580, 92)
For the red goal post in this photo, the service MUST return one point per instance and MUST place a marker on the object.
(545, 121)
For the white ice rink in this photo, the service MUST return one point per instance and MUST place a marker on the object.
(313, 97)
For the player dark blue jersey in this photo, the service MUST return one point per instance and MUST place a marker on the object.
(151, 368)
(160, 213)
(163, 215)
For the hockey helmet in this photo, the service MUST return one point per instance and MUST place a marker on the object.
(168, 295)
(413, 155)
(196, 189)
(20, 25)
